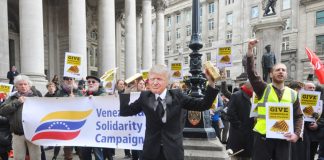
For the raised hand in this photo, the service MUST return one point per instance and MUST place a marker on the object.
(252, 43)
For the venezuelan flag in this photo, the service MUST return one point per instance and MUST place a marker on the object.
(61, 125)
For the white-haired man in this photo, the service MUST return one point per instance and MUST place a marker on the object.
(164, 119)
(12, 108)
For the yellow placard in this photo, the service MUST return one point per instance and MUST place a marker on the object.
(145, 75)
(107, 74)
(73, 60)
(308, 99)
(279, 113)
(4, 89)
(110, 78)
(176, 66)
(224, 51)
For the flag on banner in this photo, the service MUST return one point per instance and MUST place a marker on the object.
(317, 65)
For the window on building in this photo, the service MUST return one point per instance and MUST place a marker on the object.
(320, 45)
(254, 12)
(189, 16)
(188, 30)
(178, 33)
(186, 60)
(285, 43)
(286, 4)
(200, 11)
(178, 18)
(293, 71)
(229, 19)
(208, 56)
(228, 2)
(211, 8)
(211, 24)
(166, 62)
(320, 17)
(169, 21)
(168, 50)
(200, 27)
(210, 40)
(178, 46)
(288, 24)
(228, 73)
(169, 36)
(229, 36)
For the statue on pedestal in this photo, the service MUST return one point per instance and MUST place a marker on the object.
(268, 60)
(267, 4)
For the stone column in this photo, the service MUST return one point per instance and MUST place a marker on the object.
(32, 41)
(120, 58)
(77, 31)
(139, 39)
(130, 37)
(268, 31)
(4, 39)
(159, 8)
(106, 21)
(147, 34)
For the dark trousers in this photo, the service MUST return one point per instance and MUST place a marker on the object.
(160, 157)
(127, 152)
(108, 153)
(56, 152)
(85, 153)
(267, 149)
(217, 130)
(43, 156)
(313, 149)
(321, 149)
(266, 72)
(4, 156)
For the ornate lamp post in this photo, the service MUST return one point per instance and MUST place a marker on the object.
(198, 124)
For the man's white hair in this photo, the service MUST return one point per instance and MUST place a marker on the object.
(160, 69)
(23, 78)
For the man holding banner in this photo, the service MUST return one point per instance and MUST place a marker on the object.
(266, 148)
(12, 108)
(162, 108)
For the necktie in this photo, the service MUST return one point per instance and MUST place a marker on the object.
(159, 109)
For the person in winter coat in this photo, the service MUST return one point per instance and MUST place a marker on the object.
(5, 138)
(241, 125)
(12, 108)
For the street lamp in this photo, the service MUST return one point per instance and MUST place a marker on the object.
(198, 124)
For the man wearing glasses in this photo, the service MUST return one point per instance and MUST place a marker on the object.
(68, 89)
(94, 89)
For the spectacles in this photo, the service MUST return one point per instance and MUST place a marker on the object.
(91, 81)
(68, 79)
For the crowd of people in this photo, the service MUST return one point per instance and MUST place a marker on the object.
(163, 104)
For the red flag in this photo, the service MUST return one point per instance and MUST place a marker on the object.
(317, 65)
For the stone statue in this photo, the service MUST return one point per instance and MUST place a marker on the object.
(267, 4)
(268, 60)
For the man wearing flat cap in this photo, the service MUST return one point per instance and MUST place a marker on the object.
(94, 89)
(268, 61)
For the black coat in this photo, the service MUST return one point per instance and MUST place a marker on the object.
(11, 76)
(241, 128)
(5, 134)
(170, 133)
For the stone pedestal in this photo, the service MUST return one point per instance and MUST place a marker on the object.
(268, 31)
(204, 149)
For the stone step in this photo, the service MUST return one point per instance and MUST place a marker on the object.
(204, 149)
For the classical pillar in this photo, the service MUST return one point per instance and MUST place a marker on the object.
(4, 45)
(77, 31)
(139, 39)
(160, 6)
(32, 40)
(106, 21)
(120, 58)
(147, 34)
(130, 37)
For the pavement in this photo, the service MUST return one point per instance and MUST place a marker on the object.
(49, 155)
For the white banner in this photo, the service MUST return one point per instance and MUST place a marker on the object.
(82, 122)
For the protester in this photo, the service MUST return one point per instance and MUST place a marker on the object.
(12, 108)
(320, 123)
(224, 118)
(94, 89)
(241, 125)
(68, 89)
(275, 92)
(12, 74)
(162, 108)
(216, 121)
(5, 138)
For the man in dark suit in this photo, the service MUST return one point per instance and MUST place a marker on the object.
(12, 74)
(162, 108)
